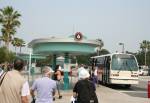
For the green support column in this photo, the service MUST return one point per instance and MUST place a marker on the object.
(66, 79)
(54, 61)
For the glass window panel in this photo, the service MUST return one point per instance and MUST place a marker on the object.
(124, 62)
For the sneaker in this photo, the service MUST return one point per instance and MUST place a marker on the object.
(53, 98)
(60, 96)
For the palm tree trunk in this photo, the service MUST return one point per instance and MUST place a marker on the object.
(20, 49)
(7, 45)
(0, 43)
(16, 50)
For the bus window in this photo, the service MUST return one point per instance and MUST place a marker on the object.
(100, 61)
(124, 62)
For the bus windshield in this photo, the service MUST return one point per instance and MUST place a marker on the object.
(124, 62)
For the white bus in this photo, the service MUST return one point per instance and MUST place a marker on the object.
(117, 68)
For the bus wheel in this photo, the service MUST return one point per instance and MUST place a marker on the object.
(127, 85)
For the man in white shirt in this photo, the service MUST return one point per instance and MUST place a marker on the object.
(45, 87)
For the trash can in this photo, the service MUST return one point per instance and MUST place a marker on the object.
(148, 90)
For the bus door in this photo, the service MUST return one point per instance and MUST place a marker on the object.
(93, 65)
(107, 69)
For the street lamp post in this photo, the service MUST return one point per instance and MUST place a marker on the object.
(30, 54)
(145, 56)
(122, 47)
(145, 53)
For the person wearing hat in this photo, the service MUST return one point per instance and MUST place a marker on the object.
(44, 86)
(84, 90)
(81, 67)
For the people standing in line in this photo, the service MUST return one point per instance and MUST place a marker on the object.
(84, 90)
(14, 88)
(57, 78)
(44, 86)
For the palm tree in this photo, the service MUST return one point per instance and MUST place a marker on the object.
(9, 20)
(0, 41)
(101, 44)
(21, 43)
(145, 45)
(15, 43)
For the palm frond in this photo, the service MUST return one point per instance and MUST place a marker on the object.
(9, 20)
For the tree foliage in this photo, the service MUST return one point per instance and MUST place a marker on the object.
(6, 55)
(85, 59)
(104, 51)
(9, 19)
(17, 42)
(144, 53)
(145, 45)
(46, 61)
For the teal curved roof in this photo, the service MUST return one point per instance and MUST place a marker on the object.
(55, 45)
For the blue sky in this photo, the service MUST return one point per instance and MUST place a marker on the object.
(113, 21)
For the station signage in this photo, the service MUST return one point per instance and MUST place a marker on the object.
(78, 36)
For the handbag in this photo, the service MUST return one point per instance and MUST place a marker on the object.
(73, 99)
(33, 100)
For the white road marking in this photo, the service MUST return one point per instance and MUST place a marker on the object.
(133, 91)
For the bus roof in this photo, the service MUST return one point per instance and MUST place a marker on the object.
(109, 55)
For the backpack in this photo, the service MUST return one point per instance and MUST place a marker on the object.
(87, 94)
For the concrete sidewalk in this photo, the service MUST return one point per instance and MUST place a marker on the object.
(105, 95)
